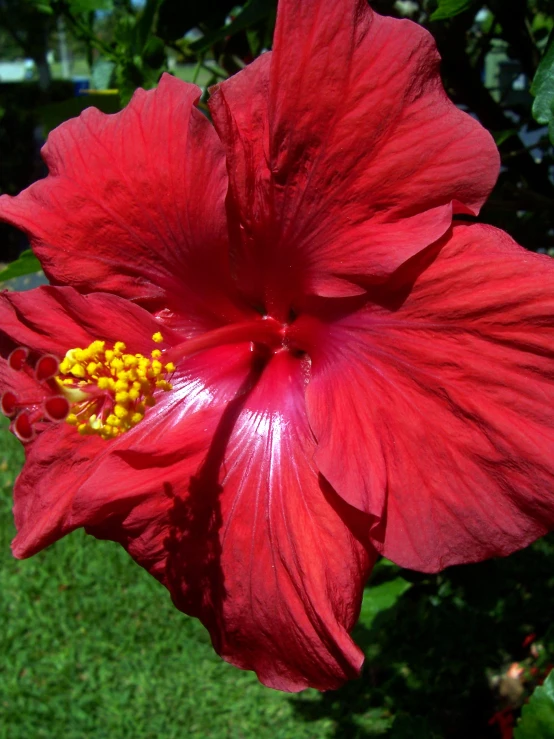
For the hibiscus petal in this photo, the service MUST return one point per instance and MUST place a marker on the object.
(439, 393)
(134, 205)
(249, 539)
(349, 157)
(55, 319)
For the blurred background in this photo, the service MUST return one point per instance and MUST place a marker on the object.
(90, 646)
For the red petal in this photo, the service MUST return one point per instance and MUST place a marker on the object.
(55, 319)
(134, 205)
(247, 538)
(56, 461)
(440, 394)
(348, 157)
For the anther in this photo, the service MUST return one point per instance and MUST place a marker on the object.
(23, 427)
(8, 404)
(56, 408)
(18, 357)
(46, 368)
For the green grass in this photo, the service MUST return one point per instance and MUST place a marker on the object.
(79, 68)
(90, 646)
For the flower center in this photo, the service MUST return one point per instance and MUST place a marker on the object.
(109, 390)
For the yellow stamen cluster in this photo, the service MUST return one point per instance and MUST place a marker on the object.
(110, 390)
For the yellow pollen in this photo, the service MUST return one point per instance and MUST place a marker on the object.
(120, 411)
(110, 390)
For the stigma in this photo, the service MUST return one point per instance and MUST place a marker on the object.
(100, 389)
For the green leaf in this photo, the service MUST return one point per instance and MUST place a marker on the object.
(379, 598)
(501, 136)
(543, 90)
(450, 8)
(154, 54)
(146, 23)
(26, 264)
(537, 717)
(43, 6)
(253, 12)
(89, 6)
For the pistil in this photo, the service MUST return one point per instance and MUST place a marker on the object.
(266, 331)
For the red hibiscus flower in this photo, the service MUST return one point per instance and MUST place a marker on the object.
(269, 352)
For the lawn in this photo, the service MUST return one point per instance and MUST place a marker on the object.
(91, 648)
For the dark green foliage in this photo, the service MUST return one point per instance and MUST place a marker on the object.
(543, 90)
(450, 8)
(252, 13)
(51, 115)
(88, 6)
(408, 727)
(432, 658)
(178, 17)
